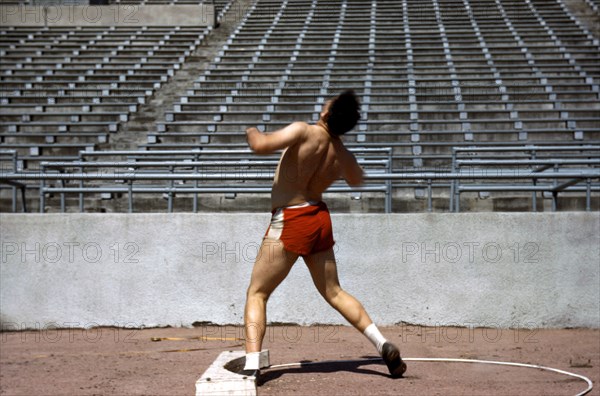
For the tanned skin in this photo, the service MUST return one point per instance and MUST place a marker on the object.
(311, 161)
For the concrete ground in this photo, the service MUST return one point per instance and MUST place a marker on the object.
(118, 361)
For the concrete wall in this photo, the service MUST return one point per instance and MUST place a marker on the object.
(484, 269)
(113, 15)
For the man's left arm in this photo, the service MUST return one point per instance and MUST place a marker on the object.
(268, 142)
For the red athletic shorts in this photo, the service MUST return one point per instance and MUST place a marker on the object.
(304, 229)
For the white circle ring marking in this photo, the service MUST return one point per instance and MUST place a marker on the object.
(590, 384)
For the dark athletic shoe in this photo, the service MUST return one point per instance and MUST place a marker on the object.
(391, 357)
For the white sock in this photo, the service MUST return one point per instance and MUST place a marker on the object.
(375, 336)
(252, 361)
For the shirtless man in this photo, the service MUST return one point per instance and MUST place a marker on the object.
(314, 157)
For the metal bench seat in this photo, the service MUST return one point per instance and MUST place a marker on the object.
(402, 149)
(86, 107)
(34, 138)
(98, 84)
(373, 114)
(99, 49)
(69, 66)
(37, 149)
(65, 117)
(110, 126)
(464, 125)
(200, 102)
(83, 97)
(203, 137)
(87, 74)
(90, 92)
(95, 60)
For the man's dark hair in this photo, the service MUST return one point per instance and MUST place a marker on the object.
(344, 113)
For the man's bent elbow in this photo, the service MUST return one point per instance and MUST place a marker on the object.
(260, 150)
(259, 147)
(256, 141)
(355, 180)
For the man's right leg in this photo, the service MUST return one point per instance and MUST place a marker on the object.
(323, 269)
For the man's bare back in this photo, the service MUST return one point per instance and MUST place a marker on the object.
(312, 160)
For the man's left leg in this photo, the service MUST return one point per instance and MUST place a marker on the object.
(323, 269)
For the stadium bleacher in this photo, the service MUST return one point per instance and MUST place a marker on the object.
(456, 71)
(594, 4)
(78, 85)
(430, 75)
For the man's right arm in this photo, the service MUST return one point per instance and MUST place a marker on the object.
(351, 170)
(267, 143)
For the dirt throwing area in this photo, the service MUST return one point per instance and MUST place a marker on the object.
(117, 361)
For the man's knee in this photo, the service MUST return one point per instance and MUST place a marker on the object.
(253, 292)
(332, 294)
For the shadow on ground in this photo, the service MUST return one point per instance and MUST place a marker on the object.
(330, 366)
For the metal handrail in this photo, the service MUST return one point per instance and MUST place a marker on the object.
(138, 164)
(83, 153)
(134, 173)
(455, 189)
(508, 174)
(558, 161)
(132, 176)
(251, 160)
(527, 148)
